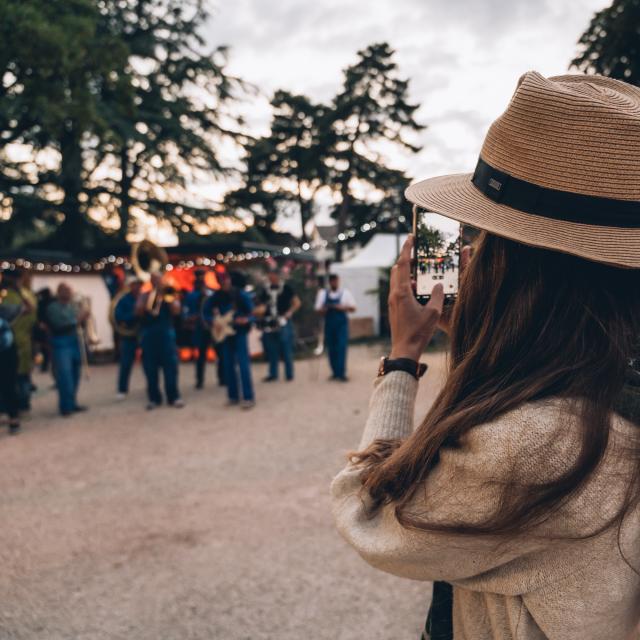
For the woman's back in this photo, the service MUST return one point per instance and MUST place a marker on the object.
(542, 584)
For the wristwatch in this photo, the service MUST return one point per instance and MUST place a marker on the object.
(416, 369)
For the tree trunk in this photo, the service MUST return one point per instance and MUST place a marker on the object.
(125, 191)
(343, 210)
(71, 229)
(305, 215)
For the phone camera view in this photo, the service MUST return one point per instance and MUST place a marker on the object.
(437, 254)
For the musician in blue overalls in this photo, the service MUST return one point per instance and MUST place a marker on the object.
(276, 306)
(232, 299)
(127, 325)
(335, 304)
(157, 310)
(196, 314)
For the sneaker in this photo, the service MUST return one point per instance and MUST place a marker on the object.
(14, 428)
(232, 403)
(120, 396)
(270, 379)
(152, 405)
(200, 385)
(342, 379)
(248, 404)
(79, 408)
(178, 404)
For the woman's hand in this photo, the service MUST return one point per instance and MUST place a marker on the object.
(412, 324)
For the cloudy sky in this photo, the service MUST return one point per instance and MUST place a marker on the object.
(463, 57)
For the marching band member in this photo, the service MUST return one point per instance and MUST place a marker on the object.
(157, 309)
(232, 310)
(276, 307)
(193, 313)
(64, 319)
(127, 322)
(335, 304)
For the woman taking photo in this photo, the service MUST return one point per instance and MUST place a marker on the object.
(520, 488)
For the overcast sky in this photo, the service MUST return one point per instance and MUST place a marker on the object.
(463, 57)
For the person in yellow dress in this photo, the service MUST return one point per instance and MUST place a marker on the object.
(18, 292)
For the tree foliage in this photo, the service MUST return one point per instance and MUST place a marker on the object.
(611, 44)
(338, 147)
(286, 169)
(54, 62)
(114, 104)
(371, 111)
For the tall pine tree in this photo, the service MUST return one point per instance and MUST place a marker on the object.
(170, 114)
(286, 169)
(55, 60)
(611, 44)
(107, 105)
(371, 110)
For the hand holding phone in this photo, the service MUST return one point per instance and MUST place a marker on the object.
(436, 255)
(412, 324)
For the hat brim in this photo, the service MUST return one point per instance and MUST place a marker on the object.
(454, 196)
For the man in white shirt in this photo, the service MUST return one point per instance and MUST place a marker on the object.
(335, 304)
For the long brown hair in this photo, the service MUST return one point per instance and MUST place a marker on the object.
(529, 324)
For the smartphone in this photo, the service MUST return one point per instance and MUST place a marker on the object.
(436, 254)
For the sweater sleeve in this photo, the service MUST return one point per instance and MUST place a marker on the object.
(465, 487)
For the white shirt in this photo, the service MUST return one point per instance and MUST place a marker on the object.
(346, 298)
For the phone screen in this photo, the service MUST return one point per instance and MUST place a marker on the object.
(436, 258)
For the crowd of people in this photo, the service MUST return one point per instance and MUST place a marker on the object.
(145, 315)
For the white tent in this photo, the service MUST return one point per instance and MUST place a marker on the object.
(361, 274)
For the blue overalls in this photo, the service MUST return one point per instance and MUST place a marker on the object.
(159, 351)
(125, 313)
(195, 307)
(235, 349)
(336, 334)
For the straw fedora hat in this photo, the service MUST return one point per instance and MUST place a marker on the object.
(559, 169)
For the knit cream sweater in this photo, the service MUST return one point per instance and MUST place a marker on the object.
(532, 587)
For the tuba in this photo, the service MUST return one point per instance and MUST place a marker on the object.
(122, 329)
(148, 258)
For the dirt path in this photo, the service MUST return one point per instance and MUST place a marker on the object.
(201, 523)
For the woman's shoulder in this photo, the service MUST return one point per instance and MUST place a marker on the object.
(539, 439)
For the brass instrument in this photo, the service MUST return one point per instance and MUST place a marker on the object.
(122, 329)
(148, 258)
(157, 296)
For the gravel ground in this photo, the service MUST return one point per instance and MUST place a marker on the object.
(202, 523)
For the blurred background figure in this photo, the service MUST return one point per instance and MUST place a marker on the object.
(10, 311)
(18, 292)
(232, 317)
(127, 327)
(335, 304)
(158, 309)
(41, 338)
(64, 319)
(276, 306)
(197, 319)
